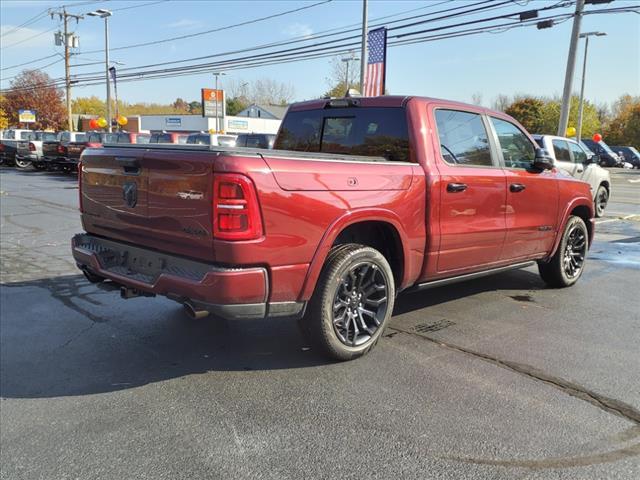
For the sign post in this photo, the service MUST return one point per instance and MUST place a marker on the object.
(213, 105)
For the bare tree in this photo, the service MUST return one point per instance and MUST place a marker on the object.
(476, 98)
(264, 90)
(337, 80)
(501, 102)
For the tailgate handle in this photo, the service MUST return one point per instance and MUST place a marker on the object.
(131, 165)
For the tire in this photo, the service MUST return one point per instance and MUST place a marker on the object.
(23, 164)
(352, 302)
(567, 264)
(601, 201)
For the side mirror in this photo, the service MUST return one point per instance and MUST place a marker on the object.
(595, 159)
(542, 160)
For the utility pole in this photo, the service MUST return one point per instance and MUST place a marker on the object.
(67, 41)
(586, 36)
(571, 66)
(363, 47)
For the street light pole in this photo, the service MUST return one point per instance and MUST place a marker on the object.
(346, 60)
(102, 13)
(571, 66)
(586, 36)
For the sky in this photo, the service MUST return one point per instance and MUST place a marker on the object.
(516, 61)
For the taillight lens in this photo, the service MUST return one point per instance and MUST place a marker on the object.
(80, 185)
(32, 147)
(236, 213)
(61, 149)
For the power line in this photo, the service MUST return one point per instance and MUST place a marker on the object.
(28, 38)
(139, 5)
(274, 58)
(29, 62)
(219, 29)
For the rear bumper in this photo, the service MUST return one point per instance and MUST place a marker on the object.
(59, 161)
(231, 293)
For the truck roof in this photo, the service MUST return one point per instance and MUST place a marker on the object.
(384, 101)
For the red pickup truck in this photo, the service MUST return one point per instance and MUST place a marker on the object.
(361, 199)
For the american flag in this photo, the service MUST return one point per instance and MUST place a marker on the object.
(376, 63)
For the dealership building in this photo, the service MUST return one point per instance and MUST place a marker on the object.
(253, 119)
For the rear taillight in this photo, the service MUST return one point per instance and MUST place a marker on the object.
(236, 213)
(1, 147)
(32, 147)
(61, 149)
(80, 185)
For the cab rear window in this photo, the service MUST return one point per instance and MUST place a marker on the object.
(372, 132)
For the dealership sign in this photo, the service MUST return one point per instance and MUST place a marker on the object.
(27, 116)
(173, 122)
(238, 125)
(213, 104)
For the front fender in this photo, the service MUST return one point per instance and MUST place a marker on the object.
(579, 201)
(350, 218)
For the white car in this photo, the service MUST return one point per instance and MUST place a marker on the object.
(579, 162)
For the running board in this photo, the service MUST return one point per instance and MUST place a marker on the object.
(469, 276)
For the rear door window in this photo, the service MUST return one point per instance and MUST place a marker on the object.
(124, 138)
(199, 140)
(65, 137)
(142, 138)
(463, 138)
(376, 132)
(561, 148)
(517, 150)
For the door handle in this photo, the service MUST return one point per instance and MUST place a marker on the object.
(131, 166)
(517, 187)
(456, 187)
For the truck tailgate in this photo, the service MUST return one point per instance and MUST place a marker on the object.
(153, 198)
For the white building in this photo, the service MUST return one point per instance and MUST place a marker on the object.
(196, 123)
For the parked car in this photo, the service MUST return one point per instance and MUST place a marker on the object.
(75, 149)
(126, 137)
(581, 163)
(608, 158)
(55, 154)
(255, 140)
(168, 137)
(29, 152)
(352, 206)
(629, 154)
(212, 139)
(9, 143)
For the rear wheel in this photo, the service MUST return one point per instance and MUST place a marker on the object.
(567, 264)
(352, 303)
(602, 198)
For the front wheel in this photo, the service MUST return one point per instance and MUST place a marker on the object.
(567, 264)
(602, 198)
(352, 303)
(23, 164)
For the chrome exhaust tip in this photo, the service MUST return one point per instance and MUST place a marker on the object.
(193, 312)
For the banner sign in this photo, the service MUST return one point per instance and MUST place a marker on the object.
(213, 104)
(27, 116)
(173, 121)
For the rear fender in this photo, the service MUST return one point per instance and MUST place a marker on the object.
(350, 218)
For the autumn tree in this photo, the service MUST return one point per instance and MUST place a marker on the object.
(551, 116)
(528, 111)
(35, 90)
(624, 128)
(88, 106)
(4, 120)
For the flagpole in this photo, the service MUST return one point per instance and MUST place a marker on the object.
(363, 48)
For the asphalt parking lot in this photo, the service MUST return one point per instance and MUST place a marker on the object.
(497, 378)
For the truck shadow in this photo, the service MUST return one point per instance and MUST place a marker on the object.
(64, 337)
